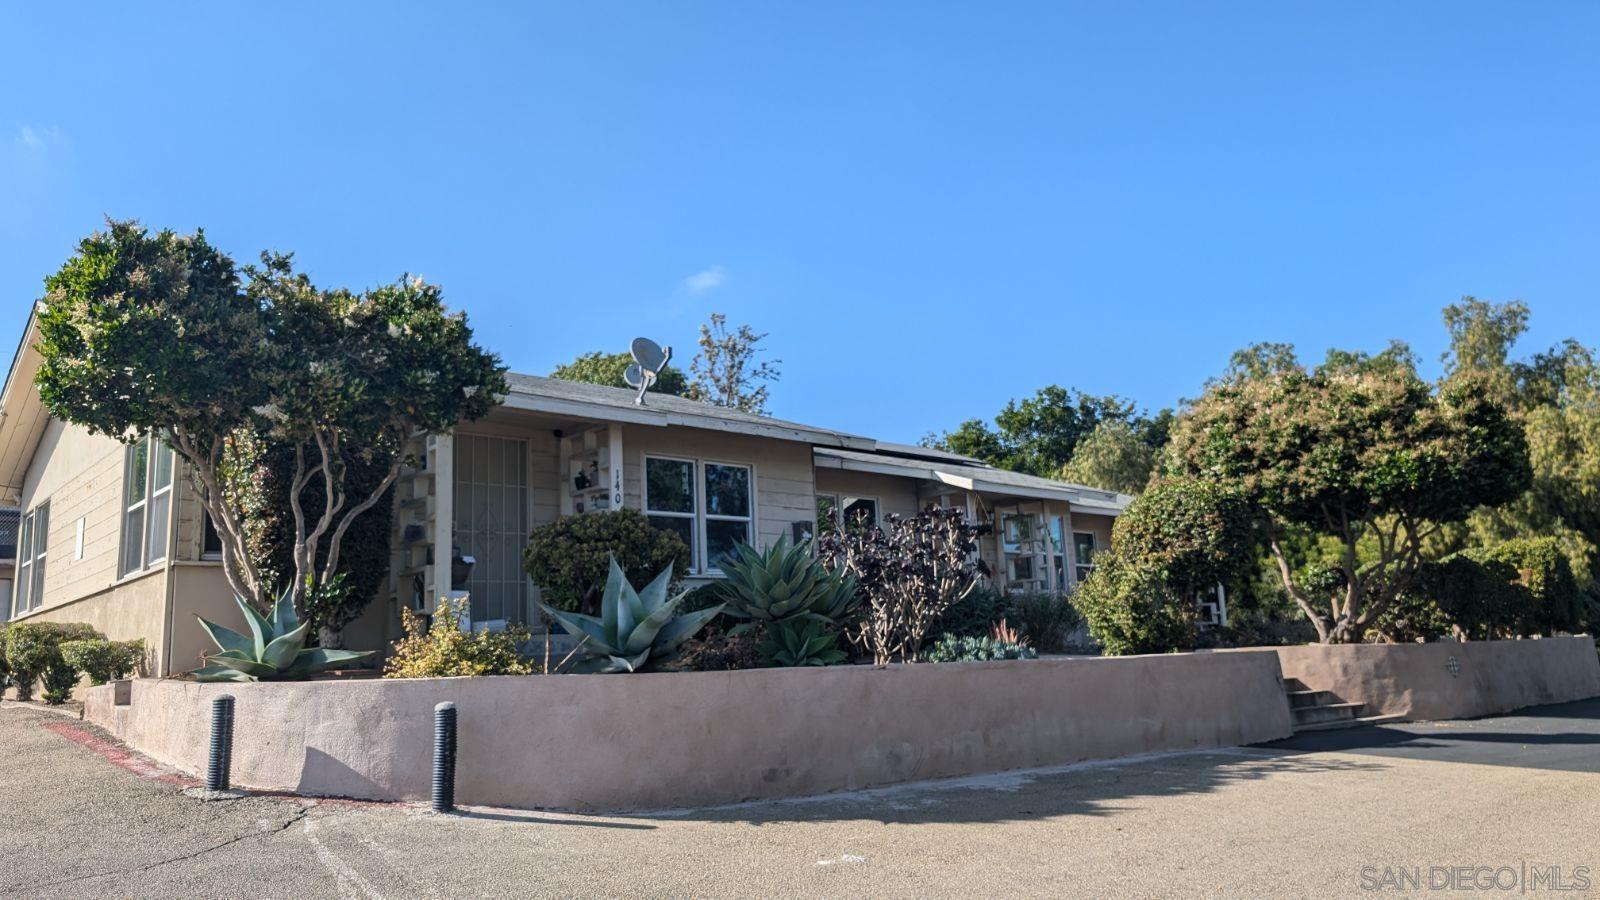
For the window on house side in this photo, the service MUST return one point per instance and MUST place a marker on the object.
(1083, 544)
(31, 547)
(147, 504)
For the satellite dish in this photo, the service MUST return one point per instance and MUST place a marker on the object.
(649, 360)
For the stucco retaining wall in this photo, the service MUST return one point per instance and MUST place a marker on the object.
(1415, 680)
(685, 739)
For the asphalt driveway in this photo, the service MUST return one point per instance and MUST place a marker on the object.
(1327, 814)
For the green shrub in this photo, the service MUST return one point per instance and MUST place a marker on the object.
(800, 642)
(33, 652)
(1130, 609)
(5, 668)
(972, 615)
(569, 558)
(1193, 533)
(1047, 619)
(1551, 600)
(444, 650)
(966, 648)
(103, 660)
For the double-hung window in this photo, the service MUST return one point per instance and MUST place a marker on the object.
(710, 505)
(1083, 547)
(32, 542)
(147, 504)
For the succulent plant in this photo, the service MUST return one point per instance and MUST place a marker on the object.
(786, 582)
(800, 642)
(275, 648)
(959, 648)
(635, 628)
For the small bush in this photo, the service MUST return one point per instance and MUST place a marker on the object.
(5, 668)
(800, 642)
(33, 652)
(103, 660)
(1046, 619)
(956, 648)
(444, 650)
(723, 652)
(974, 614)
(1131, 610)
(569, 558)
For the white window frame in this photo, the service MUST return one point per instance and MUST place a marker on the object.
(839, 503)
(693, 515)
(1081, 569)
(147, 554)
(749, 519)
(28, 585)
(699, 549)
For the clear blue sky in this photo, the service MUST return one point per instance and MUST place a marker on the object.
(932, 208)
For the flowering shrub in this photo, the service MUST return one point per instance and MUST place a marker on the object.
(444, 650)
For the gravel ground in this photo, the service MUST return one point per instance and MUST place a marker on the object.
(1298, 818)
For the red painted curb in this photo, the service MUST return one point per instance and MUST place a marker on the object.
(120, 756)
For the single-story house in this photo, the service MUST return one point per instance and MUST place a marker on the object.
(112, 534)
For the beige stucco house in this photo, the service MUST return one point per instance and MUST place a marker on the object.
(112, 534)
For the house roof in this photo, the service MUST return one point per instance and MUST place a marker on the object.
(555, 395)
(979, 477)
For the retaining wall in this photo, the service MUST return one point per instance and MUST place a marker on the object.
(689, 739)
(1417, 681)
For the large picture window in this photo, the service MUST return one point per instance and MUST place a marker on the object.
(710, 505)
(32, 543)
(147, 504)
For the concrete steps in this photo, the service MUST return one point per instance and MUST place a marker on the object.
(1316, 710)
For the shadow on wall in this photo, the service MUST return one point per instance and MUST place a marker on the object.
(1083, 789)
(322, 774)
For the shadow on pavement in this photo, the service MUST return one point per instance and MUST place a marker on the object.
(1087, 789)
(1559, 737)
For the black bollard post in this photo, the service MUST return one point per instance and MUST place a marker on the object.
(444, 757)
(220, 762)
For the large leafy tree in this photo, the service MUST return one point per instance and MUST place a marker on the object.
(163, 334)
(1038, 434)
(1556, 395)
(1112, 457)
(607, 369)
(1365, 455)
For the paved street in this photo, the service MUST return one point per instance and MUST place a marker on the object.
(1298, 818)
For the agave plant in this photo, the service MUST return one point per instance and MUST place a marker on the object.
(800, 642)
(635, 628)
(275, 647)
(786, 582)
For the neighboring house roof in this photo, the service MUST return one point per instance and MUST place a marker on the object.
(978, 477)
(9, 518)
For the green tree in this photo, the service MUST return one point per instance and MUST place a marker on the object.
(1367, 456)
(1112, 457)
(607, 369)
(1038, 434)
(158, 334)
(726, 372)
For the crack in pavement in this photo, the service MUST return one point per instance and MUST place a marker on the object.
(301, 813)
